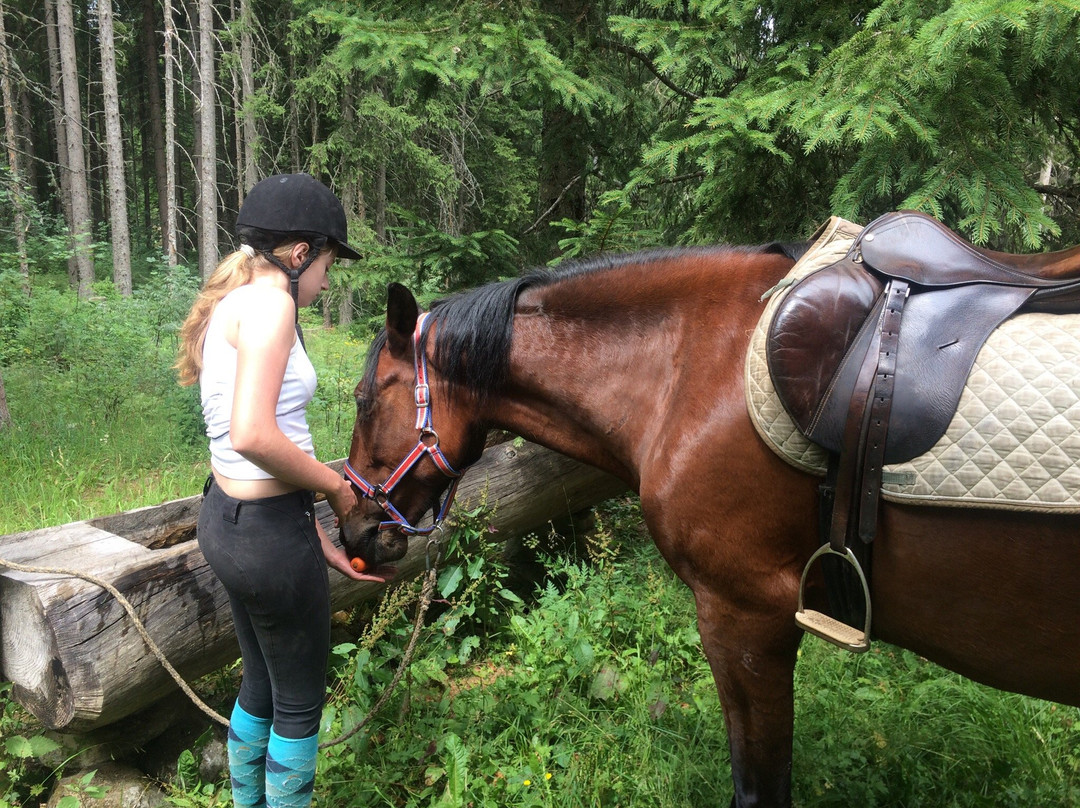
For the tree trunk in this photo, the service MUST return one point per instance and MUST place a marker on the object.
(5, 413)
(156, 121)
(71, 653)
(58, 125)
(247, 99)
(24, 128)
(169, 137)
(237, 108)
(345, 306)
(293, 108)
(208, 246)
(380, 202)
(114, 140)
(80, 224)
(18, 195)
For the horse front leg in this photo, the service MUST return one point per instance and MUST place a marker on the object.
(752, 655)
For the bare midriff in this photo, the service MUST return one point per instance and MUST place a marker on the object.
(253, 489)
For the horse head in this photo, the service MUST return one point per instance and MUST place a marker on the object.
(398, 463)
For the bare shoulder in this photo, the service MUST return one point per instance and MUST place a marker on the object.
(260, 314)
(264, 299)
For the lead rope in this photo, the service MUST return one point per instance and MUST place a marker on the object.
(425, 601)
(126, 604)
(426, 593)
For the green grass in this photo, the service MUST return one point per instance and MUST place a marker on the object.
(67, 459)
(599, 695)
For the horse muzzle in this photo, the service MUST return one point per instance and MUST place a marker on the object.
(362, 538)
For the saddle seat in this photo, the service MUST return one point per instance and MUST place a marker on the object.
(921, 249)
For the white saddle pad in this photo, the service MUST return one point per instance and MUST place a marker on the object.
(1014, 441)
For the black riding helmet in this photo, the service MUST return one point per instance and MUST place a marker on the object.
(293, 206)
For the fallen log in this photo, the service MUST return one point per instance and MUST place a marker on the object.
(77, 663)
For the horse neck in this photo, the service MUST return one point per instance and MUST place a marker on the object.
(599, 363)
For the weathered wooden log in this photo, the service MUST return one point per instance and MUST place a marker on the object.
(71, 652)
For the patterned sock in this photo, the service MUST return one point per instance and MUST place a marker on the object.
(248, 737)
(290, 771)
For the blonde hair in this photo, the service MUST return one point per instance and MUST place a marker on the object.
(235, 270)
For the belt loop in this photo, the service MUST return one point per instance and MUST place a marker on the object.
(231, 511)
(206, 486)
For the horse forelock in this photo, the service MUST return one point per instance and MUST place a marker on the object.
(366, 397)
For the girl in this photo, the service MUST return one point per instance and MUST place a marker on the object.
(257, 525)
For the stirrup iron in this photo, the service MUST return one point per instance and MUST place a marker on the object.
(828, 628)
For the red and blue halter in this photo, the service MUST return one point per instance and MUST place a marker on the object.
(428, 444)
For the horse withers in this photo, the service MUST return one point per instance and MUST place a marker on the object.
(636, 365)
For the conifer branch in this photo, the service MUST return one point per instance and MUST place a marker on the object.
(648, 63)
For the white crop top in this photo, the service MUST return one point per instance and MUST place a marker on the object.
(217, 382)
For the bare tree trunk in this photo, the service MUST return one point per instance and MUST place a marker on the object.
(294, 118)
(208, 248)
(5, 413)
(169, 234)
(114, 140)
(380, 202)
(247, 85)
(23, 134)
(18, 197)
(157, 126)
(345, 306)
(237, 107)
(58, 125)
(80, 224)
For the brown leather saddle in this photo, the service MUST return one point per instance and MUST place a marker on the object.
(870, 355)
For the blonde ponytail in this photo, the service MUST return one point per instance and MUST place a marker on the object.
(236, 269)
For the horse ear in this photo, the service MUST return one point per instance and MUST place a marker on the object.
(402, 312)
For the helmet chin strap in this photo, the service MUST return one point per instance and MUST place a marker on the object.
(294, 275)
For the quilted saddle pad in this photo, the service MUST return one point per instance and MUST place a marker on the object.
(1014, 441)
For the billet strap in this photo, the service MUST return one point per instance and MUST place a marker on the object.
(877, 425)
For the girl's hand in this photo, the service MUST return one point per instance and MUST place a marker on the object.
(338, 560)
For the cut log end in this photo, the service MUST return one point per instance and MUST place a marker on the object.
(31, 659)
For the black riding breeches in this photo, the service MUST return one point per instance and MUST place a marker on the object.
(267, 554)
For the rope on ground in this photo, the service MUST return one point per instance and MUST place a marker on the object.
(126, 604)
(421, 612)
(406, 658)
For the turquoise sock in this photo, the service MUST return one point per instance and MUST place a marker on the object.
(290, 771)
(248, 737)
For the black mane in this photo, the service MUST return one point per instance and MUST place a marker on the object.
(474, 328)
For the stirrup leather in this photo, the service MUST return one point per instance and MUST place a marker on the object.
(828, 628)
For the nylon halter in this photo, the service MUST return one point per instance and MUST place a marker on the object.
(428, 444)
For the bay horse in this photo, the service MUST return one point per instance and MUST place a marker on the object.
(635, 365)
